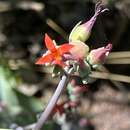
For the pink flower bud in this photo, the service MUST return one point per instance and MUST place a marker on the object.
(81, 32)
(73, 104)
(98, 56)
(80, 89)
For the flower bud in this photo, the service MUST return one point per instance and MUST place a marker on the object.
(98, 56)
(73, 104)
(80, 50)
(81, 32)
(80, 89)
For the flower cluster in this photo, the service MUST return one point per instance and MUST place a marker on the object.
(76, 53)
(72, 59)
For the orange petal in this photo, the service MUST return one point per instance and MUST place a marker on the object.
(60, 63)
(45, 59)
(64, 48)
(49, 43)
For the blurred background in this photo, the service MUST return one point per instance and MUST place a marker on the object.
(26, 88)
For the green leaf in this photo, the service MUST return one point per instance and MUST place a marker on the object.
(7, 95)
(29, 103)
(16, 102)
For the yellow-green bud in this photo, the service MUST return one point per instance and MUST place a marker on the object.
(81, 32)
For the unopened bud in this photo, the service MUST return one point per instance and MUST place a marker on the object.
(98, 56)
(81, 32)
(80, 50)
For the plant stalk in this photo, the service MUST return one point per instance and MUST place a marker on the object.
(62, 84)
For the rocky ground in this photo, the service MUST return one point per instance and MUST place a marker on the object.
(109, 110)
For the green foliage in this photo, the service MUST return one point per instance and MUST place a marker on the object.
(7, 94)
(49, 126)
(17, 105)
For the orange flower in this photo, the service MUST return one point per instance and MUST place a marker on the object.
(54, 55)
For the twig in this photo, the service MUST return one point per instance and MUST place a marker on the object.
(62, 84)
(56, 27)
(118, 61)
(110, 76)
(119, 85)
(119, 54)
